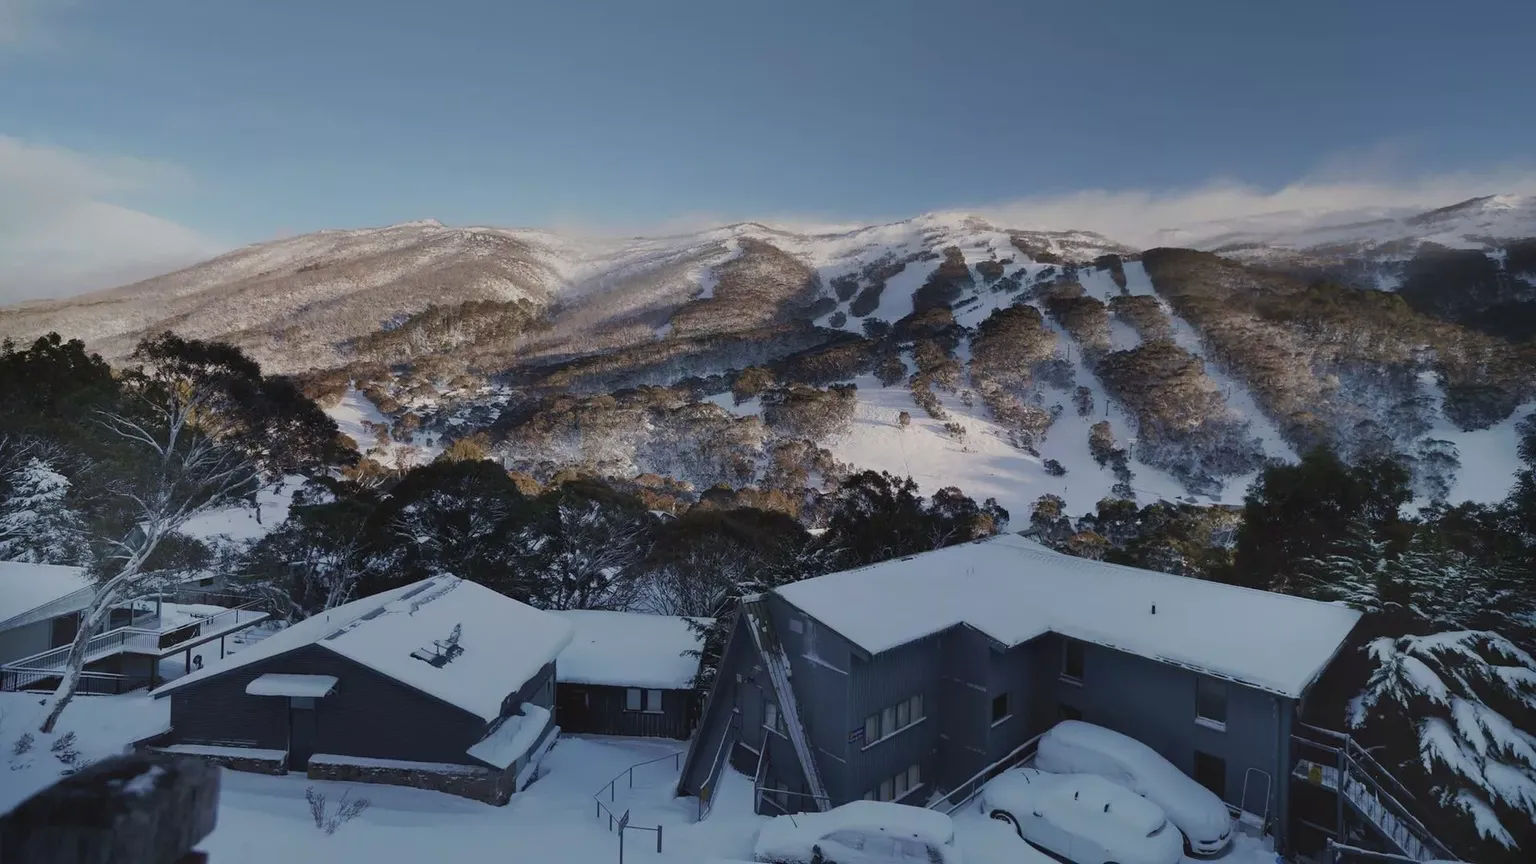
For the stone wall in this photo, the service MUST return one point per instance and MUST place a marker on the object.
(466, 781)
(234, 762)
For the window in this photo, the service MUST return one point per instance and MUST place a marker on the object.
(999, 708)
(795, 626)
(648, 701)
(895, 788)
(1072, 660)
(1067, 712)
(1211, 772)
(771, 716)
(851, 839)
(1211, 703)
(892, 719)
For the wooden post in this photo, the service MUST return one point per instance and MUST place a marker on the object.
(137, 809)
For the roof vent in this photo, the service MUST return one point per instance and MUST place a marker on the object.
(442, 651)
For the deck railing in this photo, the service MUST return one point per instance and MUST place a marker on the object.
(27, 672)
(962, 794)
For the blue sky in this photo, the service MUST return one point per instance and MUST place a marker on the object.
(240, 121)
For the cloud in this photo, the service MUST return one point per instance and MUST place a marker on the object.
(62, 233)
(1218, 209)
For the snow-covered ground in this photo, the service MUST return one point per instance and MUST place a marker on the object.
(355, 413)
(246, 522)
(264, 819)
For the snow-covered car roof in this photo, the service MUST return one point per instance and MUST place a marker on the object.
(630, 649)
(1084, 805)
(25, 588)
(455, 640)
(1013, 590)
(1074, 746)
(788, 834)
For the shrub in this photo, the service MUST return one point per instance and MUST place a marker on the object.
(1054, 468)
(904, 419)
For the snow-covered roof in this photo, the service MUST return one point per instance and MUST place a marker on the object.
(629, 649)
(280, 684)
(25, 587)
(455, 640)
(512, 737)
(504, 643)
(1013, 590)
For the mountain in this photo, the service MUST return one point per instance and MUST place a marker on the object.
(1010, 363)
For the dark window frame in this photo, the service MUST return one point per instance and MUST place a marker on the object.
(1209, 694)
(1210, 771)
(1001, 700)
(1070, 649)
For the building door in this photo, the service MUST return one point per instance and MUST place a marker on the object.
(571, 709)
(64, 629)
(301, 732)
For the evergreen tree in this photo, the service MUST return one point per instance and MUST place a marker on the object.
(38, 522)
(1300, 512)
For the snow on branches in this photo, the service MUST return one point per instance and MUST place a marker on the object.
(1472, 692)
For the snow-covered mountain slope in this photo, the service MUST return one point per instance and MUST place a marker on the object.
(1374, 250)
(1470, 224)
(312, 301)
(424, 333)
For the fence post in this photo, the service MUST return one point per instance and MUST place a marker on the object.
(658, 839)
(631, 773)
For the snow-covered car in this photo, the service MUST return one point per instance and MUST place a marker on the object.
(860, 832)
(1075, 747)
(1082, 818)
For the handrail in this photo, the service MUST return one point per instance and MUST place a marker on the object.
(1404, 815)
(147, 640)
(1017, 755)
(1356, 765)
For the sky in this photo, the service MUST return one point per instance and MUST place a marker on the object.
(137, 136)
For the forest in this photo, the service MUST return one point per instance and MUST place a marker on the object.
(102, 467)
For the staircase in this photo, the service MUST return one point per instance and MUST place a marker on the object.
(766, 638)
(1370, 791)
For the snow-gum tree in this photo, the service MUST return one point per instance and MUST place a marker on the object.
(198, 427)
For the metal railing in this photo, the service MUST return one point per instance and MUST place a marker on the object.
(962, 794)
(717, 768)
(154, 642)
(246, 613)
(621, 821)
(91, 683)
(1359, 779)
